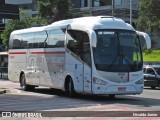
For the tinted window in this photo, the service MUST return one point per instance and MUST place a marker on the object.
(75, 41)
(157, 70)
(78, 43)
(86, 50)
(40, 39)
(56, 38)
(117, 51)
(27, 40)
(17, 41)
(150, 71)
(143, 42)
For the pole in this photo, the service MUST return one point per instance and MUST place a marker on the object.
(131, 12)
(112, 7)
(90, 6)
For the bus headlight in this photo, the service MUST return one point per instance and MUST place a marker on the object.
(99, 81)
(141, 81)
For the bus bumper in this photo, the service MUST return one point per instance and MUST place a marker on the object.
(119, 90)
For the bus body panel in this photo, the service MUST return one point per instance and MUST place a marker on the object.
(75, 65)
(17, 63)
(129, 87)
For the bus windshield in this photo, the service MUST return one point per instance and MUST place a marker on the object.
(117, 51)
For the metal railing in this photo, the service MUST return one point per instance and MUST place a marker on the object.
(4, 72)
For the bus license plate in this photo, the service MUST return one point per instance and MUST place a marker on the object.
(121, 89)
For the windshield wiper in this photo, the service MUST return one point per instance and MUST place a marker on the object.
(117, 57)
(121, 59)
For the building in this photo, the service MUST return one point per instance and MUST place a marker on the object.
(25, 4)
(117, 8)
(9, 9)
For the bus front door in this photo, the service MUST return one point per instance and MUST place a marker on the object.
(87, 78)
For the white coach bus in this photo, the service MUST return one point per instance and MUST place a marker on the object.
(96, 55)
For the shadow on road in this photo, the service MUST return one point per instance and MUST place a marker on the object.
(149, 88)
(46, 99)
(137, 100)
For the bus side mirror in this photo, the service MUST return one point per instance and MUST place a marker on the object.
(93, 38)
(146, 37)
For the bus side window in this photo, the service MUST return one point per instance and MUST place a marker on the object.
(78, 43)
(17, 41)
(86, 50)
(28, 39)
(40, 38)
(23, 44)
(75, 41)
(56, 38)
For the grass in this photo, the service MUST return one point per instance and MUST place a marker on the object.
(151, 55)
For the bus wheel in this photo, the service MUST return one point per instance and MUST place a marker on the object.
(70, 88)
(111, 96)
(23, 84)
(153, 87)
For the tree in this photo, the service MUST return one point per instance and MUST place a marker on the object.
(54, 10)
(26, 22)
(149, 18)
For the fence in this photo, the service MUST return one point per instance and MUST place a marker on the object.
(4, 72)
(4, 65)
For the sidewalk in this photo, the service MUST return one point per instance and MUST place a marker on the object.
(6, 86)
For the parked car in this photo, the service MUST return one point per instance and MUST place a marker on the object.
(145, 64)
(156, 64)
(151, 76)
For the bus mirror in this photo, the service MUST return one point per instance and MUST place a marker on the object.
(93, 38)
(146, 37)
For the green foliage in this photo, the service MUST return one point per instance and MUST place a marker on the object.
(148, 51)
(20, 24)
(149, 18)
(151, 55)
(55, 10)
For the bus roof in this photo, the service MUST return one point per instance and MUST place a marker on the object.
(93, 22)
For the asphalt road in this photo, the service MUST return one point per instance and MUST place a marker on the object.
(43, 99)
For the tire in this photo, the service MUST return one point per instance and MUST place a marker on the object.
(23, 84)
(153, 87)
(70, 88)
(53, 90)
(111, 96)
